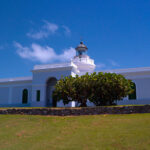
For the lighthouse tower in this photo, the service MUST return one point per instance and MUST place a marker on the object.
(82, 60)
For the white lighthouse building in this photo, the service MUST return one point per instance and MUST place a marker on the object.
(37, 89)
(83, 61)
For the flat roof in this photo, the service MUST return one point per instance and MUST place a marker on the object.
(52, 66)
(39, 67)
(15, 79)
(128, 70)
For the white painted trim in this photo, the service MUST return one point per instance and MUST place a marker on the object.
(128, 70)
(53, 69)
(15, 85)
(138, 77)
(50, 66)
(16, 80)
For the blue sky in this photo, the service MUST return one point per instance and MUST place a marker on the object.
(117, 33)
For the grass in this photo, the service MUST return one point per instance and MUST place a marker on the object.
(99, 132)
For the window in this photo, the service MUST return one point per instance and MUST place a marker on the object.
(38, 95)
(133, 95)
(25, 96)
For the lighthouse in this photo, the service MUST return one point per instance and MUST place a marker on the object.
(82, 60)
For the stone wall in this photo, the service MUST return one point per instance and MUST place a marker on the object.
(77, 111)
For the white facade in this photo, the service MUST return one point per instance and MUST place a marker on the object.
(39, 87)
(11, 90)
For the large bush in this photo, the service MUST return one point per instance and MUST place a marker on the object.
(108, 87)
(101, 88)
(73, 89)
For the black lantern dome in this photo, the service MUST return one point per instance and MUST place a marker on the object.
(81, 48)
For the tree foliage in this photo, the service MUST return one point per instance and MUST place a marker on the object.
(101, 88)
(108, 87)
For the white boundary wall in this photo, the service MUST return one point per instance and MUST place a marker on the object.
(134, 102)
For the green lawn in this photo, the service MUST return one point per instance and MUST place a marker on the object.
(99, 132)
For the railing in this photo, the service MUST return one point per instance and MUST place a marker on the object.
(84, 60)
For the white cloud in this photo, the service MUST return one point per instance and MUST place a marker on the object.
(100, 65)
(42, 54)
(67, 31)
(67, 54)
(47, 29)
(51, 27)
(107, 66)
(113, 63)
(38, 35)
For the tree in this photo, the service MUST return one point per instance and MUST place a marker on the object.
(73, 89)
(108, 87)
(64, 90)
(83, 89)
(101, 88)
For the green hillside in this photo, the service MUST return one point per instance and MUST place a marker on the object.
(99, 132)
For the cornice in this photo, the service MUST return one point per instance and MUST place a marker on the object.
(16, 80)
(53, 69)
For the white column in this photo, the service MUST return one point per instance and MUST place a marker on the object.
(73, 104)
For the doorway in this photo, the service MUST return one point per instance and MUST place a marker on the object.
(51, 82)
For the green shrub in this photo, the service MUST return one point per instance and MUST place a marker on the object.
(101, 88)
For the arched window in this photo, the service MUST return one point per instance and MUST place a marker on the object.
(133, 95)
(25, 96)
